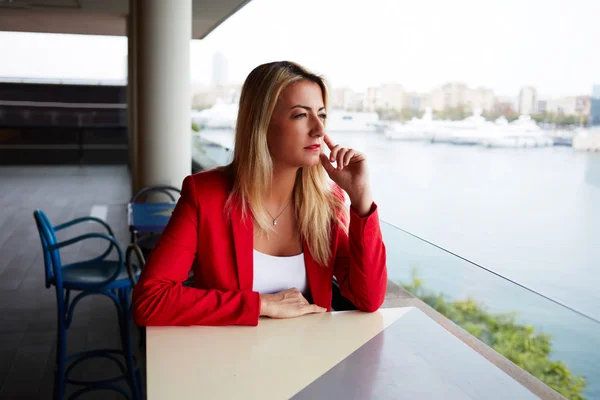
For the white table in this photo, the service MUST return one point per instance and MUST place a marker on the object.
(395, 353)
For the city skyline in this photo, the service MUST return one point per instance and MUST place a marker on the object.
(502, 45)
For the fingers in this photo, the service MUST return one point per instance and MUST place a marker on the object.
(340, 157)
(327, 164)
(295, 295)
(333, 155)
(313, 308)
(347, 157)
(290, 303)
(327, 140)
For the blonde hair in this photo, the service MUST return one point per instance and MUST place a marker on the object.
(316, 204)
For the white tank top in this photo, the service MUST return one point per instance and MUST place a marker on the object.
(275, 274)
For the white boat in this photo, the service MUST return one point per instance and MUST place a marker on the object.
(423, 128)
(352, 121)
(220, 116)
(523, 132)
(472, 130)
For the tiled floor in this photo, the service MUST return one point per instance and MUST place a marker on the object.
(27, 308)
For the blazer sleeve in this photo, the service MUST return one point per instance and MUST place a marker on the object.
(360, 261)
(159, 298)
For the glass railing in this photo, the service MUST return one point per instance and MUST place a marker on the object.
(207, 154)
(555, 343)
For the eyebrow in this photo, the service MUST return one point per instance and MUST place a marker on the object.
(306, 107)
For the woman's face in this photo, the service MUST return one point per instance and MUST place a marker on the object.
(296, 129)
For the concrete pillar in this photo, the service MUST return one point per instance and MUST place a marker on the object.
(131, 95)
(162, 31)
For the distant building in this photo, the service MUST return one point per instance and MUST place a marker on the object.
(456, 95)
(414, 101)
(527, 100)
(205, 97)
(582, 105)
(562, 105)
(373, 98)
(483, 99)
(344, 98)
(436, 100)
(542, 106)
(594, 119)
(505, 105)
(392, 97)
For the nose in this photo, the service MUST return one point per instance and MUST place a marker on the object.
(318, 129)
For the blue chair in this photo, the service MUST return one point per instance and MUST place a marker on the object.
(147, 241)
(97, 276)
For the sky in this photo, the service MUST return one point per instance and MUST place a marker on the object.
(499, 44)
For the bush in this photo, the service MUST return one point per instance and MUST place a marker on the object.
(518, 343)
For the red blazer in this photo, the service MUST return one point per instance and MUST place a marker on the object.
(199, 235)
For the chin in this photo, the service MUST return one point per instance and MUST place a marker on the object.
(310, 162)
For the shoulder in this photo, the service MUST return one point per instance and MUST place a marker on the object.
(212, 185)
(217, 178)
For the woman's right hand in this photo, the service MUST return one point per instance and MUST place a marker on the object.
(287, 304)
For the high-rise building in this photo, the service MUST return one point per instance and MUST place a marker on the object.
(527, 100)
(594, 119)
(456, 95)
(219, 69)
(373, 98)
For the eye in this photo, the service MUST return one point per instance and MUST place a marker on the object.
(300, 116)
(323, 116)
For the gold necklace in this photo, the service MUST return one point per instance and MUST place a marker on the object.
(275, 219)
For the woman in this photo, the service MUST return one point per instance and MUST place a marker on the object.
(269, 231)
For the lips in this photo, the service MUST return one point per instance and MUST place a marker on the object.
(313, 147)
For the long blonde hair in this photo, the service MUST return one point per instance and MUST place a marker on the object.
(316, 204)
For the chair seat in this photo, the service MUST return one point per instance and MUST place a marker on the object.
(82, 275)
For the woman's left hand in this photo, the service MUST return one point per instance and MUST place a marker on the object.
(350, 173)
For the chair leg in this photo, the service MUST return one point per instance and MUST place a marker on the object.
(125, 325)
(61, 351)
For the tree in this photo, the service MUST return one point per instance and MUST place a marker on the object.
(518, 343)
(454, 114)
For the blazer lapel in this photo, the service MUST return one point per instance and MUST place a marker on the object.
(243, 237)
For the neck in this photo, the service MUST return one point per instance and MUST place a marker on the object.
(282, 186)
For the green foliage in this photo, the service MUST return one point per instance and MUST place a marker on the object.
(521, 344)
(398, 115)
(454, 114)
(559, 119)
(510, 116)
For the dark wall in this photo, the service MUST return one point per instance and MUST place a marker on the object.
(84, 124)
(43, 92)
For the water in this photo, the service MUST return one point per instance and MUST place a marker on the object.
(531, 215)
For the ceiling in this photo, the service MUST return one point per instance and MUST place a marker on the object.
(100, 17)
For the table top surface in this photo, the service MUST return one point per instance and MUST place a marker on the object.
(149, 217)
(395, 353)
